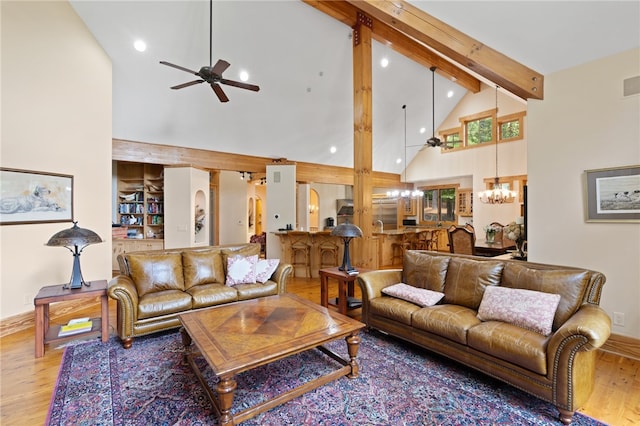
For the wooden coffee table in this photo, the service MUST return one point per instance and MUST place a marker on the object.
(241, 336)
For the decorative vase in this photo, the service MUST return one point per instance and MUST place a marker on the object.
(491, 237)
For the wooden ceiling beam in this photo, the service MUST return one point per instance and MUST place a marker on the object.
(457, 46)
(142, 152)
(396, 40)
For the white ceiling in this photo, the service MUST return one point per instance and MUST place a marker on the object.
(302, 61)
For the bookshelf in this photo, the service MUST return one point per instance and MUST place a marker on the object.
(141, 199)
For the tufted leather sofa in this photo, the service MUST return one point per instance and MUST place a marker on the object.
(558, 368)
(155, 286)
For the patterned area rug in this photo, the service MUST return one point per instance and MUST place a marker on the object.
(399, 384)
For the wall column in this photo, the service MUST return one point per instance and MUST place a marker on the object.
(364, 248)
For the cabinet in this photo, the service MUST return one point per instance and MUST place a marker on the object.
(465, 202)
(141, 199)
(122, 246)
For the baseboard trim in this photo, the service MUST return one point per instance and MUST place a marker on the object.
(26, 320)
(624, 346)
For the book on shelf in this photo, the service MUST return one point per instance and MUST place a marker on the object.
(75, 326)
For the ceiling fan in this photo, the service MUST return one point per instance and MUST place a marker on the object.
(212, 74)
(433, 141)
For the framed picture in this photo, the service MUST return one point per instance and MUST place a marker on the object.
(35, 197)
(613, 195)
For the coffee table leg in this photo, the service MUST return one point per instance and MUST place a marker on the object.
(353, 343)
(186, 339)
(226, 388)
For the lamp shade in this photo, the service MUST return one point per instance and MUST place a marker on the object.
(75, 239)
(346, 231)
(74, 236)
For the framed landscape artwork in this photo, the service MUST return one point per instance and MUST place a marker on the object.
(35, 197)
(613, 195)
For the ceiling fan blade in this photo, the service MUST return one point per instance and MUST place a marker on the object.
(220, 67)
(169, 64)
(191, 83)
(219, 92)
(240, 85)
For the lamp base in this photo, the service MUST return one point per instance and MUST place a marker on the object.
(76, 281)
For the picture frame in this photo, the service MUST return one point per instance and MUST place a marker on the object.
(28, 196)
(613, 194)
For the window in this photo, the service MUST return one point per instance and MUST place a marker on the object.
(479, 131)
(439, 204)
(452, 138)
(511, 126)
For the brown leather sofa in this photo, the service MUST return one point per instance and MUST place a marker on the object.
(558, 368)
(155, 286)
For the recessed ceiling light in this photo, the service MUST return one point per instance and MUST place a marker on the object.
(140, 45)
(384, 62)
(422, 130)
(450, 94)
(244, 76)
(398, 160)
(333, 149)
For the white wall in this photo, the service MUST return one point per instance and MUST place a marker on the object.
(281, 210)
(233, 209)
(583, 123)
(56, 117)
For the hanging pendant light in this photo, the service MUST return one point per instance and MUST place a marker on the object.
(405, 193)
(497, 195)
(433, 141)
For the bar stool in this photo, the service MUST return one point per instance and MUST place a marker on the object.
(327, 247)
(300, 244)
(398, 248)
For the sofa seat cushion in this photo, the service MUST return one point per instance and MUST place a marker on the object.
(450, 321)
(393, 308)
(252, 291)
(511, 343)
(467, 279)
(212, 294)
(163, 303)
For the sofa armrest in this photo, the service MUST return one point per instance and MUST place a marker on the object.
(281, 275)
(123, 289)
(571, 355)
(371, 283)
(591, 322)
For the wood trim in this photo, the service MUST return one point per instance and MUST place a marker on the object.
(143, 152)
(628, 347)
(456, 45)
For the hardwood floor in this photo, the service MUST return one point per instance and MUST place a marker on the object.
(27, 382)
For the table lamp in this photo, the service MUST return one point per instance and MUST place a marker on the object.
(347, 231)
(75, 239)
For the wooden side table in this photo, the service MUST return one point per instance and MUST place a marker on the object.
(345, 288)
(56, 293)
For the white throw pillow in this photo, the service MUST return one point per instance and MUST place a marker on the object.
(265, 268)
(241, 270)
(419, 296)
(533, 310)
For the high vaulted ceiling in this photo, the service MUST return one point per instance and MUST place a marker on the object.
(302, 60)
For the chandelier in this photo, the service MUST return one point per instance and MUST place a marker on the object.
(497, 195)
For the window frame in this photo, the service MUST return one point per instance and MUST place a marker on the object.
(439, 221)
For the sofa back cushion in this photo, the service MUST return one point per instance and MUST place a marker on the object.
(202, 267)
(156, 272)
(571, 285)
(423, 270)
(467, 279)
